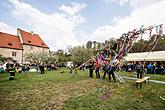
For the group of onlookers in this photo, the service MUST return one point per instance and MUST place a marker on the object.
(12, 68)
(139, 67)
(149, 67)
(94, 66)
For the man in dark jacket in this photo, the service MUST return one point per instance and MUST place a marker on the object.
(111, 70)
(42, 68)
(139, 70)
(91, 67)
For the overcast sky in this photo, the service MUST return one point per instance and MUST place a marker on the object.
(61, 23)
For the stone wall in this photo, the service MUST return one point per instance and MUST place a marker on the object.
(6, 52)
(34, 49)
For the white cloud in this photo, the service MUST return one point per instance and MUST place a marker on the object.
(120, 2)
(135, 4)
(57, 29)
(101, 34)
(3, 3)
(72, 12)
(150, 15)
(7, 29)
(73, 9)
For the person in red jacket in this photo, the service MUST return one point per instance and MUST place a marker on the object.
(97, 69)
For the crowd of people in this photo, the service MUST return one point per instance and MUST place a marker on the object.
(139, 67)
(146, 67)
(94, 66)
(12, 68)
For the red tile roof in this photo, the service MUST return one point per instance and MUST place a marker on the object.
(10, 41)
(32, 39)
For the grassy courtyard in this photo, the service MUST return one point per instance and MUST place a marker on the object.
(59, 90)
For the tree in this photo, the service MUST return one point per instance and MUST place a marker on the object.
(89, 44)
(102, 45)
(80, 55)
(161, 44)
(106, 43)
(41, 57)
(144, 45)
(94, 45)
(60, 51)
(98, 45)
(52, 58)
(4, 59)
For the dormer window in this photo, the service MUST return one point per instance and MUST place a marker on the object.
(32, 33)
(42, 43)
(29, 41)
(9, 43)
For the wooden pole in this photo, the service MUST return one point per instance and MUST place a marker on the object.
(85, 63)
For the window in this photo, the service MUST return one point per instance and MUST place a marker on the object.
(42, 43)
(31, 48)
(29, 41)
(9, 43)
(14, 54)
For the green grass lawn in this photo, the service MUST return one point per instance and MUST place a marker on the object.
(153, 76)
(59, 90)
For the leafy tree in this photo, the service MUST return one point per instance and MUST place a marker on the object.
(89, 44)
(80, 55)
(102, 45)
(107, 43)
(94, 45)
(98, 45)
(144, 45)
(41, 57)
(4, 59)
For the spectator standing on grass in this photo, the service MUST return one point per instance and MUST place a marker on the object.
(42, 68)
(70, 68)
(158, 68)
(83, 68)
(139, 70)
(11, 69)
(154, 68)
(162, 68)
(37, 67)
(149, 68)
(91, 66)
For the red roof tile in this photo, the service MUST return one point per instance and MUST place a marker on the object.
(9, 41)
(32, 39)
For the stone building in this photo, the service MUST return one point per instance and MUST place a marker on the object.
(16, 46)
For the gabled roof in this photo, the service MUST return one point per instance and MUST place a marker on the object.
(10, 41)
(29, 38)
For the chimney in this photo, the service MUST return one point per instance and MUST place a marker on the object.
(32, 33)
